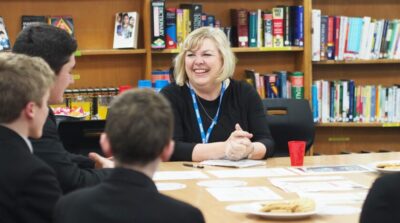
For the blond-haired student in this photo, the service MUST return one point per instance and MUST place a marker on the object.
(28, 187)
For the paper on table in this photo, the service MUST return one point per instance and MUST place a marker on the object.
(335, 198)
(331, 169)
(260, 172)
(243, 194)
(309, 178)
(342, 185)
(230, 163)
(179, 175)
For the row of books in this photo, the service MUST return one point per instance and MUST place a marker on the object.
(343, 101)
(279, 27)
(349, 38)
(63, 22)
(278, 84)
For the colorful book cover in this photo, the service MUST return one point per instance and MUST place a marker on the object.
(268, 38)
(195, 14)
(170, 29)
(4, 40)
(63, 22)
(158, 24)
(277, 26)
(28, 20)
(126, 30)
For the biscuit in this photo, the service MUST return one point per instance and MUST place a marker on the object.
(289, 206)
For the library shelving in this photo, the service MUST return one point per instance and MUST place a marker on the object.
(331, 138)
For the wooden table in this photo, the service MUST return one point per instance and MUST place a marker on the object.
(214, 210)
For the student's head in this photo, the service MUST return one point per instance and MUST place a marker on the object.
(138, 128)
(214, 55)
(56, 47)
(24, 88)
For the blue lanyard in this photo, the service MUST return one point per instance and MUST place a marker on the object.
(205, 137)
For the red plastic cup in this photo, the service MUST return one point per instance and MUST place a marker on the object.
(296, 151)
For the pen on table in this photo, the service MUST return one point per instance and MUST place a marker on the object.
(193, 165)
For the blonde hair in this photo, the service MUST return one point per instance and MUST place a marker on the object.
(193, 41)
(23, 79)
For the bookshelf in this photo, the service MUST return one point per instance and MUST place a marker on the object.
(332, 138)
(98, 65)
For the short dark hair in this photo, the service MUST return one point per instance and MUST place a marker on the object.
(139, 126)
(52, 44)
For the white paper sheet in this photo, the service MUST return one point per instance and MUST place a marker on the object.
(169, 186)
(309, 178)
(335, 198)
(179, 175)
(237, 164)
(221, 183)
(341, 185)
(260, 172)
(331, 169)
(243, 194)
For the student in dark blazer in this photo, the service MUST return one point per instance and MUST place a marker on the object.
(138, 133)
(28, 187)
(57, 48)
(383, 201)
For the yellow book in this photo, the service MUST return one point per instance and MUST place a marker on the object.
(179, 27)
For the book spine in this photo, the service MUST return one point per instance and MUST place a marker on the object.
(316, 35)
(330, 41)
(171, 39)
(297, 80)
(324, 35)
(268, 38)
(287, 36)
(195, 11)
(277, 24)
(158, 24)
(179, 27)
(252, 29)
(298, 35)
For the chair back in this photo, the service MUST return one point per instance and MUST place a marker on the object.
(81, 137)
(289, 119)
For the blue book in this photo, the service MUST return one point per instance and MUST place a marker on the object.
(314, 92)
(352, 107)
(298, 25)
(210, 20)
(170, 37)
(252, 29)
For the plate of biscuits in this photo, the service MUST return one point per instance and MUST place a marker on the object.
(281, 209)
(387, 166)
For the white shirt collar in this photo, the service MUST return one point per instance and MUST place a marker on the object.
(28, 142)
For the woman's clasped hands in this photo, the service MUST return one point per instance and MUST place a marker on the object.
(238, 146)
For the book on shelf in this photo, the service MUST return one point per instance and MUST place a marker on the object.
(158, 24)
(268, 38)
(240, 28)
(355, 38)
(277, 26)
(63, 22)
(28, 20)
(126, 29)
(4, 40)
(170, 28)
(195, 12)
(316, 34)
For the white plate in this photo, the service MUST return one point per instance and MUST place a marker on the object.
(382, 170)
(253, 209)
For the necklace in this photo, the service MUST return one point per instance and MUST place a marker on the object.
(202, 107)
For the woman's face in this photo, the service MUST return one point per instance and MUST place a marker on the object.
(203, 65)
